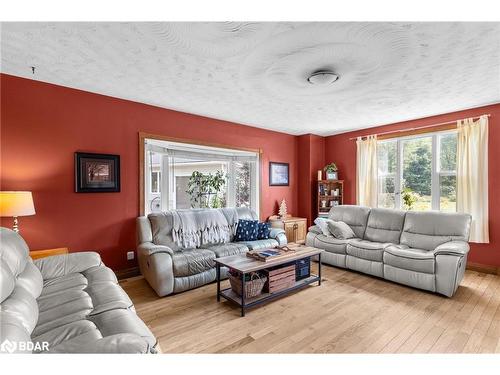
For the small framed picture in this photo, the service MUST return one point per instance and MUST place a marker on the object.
(278, 174)
(97, 173)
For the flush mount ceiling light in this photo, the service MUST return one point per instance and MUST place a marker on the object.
(322, 77)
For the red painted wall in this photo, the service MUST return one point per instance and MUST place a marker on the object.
(340, 149)
(42, 125)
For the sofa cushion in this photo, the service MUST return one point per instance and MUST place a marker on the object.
(234, 214)
(263, 231)
(99, 274)
(364, 265)
(384, 225)
(340, 230)
(331, 244)
(117, 321)
(108, 296)
(79, 329)
(414, 279)
(418, 260)
(56, 315)
(227, 249)
(162, 224)
(182, 284)
(192, 261)
(322, 224)
(427, 230)
(247, 230)
(64, 283)
(270, 243)
(368, 250)
(22, 305)
(354, 216)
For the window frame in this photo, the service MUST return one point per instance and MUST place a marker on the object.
(436, 172)
(144, 180)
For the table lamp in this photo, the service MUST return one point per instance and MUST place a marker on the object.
(16, 203)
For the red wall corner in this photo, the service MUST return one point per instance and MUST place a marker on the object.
(311, 158)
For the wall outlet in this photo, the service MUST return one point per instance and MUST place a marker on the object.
(130, 255)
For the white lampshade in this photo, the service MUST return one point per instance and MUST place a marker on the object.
(16, 203)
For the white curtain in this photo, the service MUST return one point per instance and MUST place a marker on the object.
(366, 171)
(472, 175)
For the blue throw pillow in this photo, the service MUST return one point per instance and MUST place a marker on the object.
(264, 231)
(247, 230)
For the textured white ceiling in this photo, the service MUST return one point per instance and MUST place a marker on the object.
(255, 73)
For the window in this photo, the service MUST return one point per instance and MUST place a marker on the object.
(182, 176)
(422, 168)
(448, 172)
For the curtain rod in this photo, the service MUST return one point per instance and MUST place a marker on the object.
(411, 129)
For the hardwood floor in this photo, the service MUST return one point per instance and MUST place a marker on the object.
(348, 313)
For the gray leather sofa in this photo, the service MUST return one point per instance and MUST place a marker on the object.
(64, 304)
(169, 268)
(426, 250)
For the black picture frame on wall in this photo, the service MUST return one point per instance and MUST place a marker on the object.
(97, 173)
(279, 174)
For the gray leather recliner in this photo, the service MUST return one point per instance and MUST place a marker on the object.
(426, 250)
(64, 304)
(169, 268)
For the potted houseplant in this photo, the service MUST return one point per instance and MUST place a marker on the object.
(206, 190)
(331, 171)
(409, 198)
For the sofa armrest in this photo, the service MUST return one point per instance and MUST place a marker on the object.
(279, 235)
(150, 248)
(119, 343)
(274, 232)
(460, 248)
(155, 263)
(315, 229)
(60, 265)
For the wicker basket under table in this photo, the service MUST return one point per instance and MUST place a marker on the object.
(253, 287)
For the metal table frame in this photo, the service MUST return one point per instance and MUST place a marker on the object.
(244, 305)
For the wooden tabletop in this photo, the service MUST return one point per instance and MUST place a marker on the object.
(245, 264)
(37, 254)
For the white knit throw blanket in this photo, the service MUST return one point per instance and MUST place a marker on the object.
(193, 228)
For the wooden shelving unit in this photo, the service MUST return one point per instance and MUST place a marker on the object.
(325, 193)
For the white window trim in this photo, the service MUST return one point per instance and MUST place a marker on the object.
(436, 173)
(167, 182)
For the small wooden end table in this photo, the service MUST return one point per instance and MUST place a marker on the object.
(37, 254)
(245, 265)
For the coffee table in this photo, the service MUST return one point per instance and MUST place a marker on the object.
(245, 265)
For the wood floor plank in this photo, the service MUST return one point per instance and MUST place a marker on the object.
(348, 313)
(462, 319)
(477, 338)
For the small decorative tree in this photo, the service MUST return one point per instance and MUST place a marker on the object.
(205, 190)
(283, 209)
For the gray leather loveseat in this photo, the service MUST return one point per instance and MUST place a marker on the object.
(170, 268)
(426, 250)
(64, 304)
